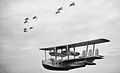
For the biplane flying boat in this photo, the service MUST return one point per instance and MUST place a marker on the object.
(87, 57)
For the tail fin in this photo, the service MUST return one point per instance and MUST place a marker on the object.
(83, 53)
(96, 52)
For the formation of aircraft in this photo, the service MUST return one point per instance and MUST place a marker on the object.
(27, 21)
(61, 61)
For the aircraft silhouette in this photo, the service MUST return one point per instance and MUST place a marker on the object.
(57, 12)
(72, 4)
(31, 27)
(59, 9)
(25, 29)
(27, 19)
(26, 22)
(35, 17)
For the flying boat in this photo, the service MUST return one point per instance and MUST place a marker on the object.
(65, 63)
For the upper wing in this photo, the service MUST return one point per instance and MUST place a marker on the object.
(50, 48)
(97, 41)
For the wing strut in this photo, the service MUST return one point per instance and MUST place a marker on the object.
(68, 50)
(45, 55)
(74, 51)
(93, 49)
(86, 51)
(61, 56)
(55, 52)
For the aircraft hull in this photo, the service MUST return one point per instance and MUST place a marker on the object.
(70, 64)
(63, 68)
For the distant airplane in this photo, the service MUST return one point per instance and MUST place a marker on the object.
(59, 9)
(26, 22)
(72, 4)
(57, 12)
(25, 29)
(31, 27)
(35, 17)
(27, 19)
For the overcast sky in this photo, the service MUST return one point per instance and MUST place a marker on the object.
(88, 20)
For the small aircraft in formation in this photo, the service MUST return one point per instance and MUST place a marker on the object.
(61, 8)
(31, 27)
(35, 17)
(25, 30)
(72, 4)
(27, 21)
(64, 52)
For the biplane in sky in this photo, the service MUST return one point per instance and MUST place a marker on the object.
(78, 61)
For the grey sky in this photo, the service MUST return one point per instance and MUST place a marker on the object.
(89, 19)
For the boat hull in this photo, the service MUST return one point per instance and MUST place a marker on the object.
(62, 68)
(69, 64)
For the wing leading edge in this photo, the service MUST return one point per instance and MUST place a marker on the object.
(97, 41)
